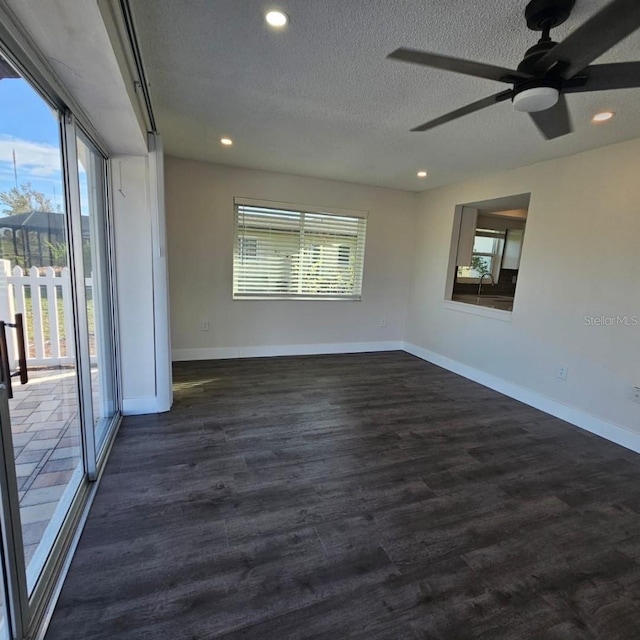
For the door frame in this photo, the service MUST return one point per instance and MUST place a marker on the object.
(16, 614)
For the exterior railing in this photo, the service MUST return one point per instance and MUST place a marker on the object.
(43, 296)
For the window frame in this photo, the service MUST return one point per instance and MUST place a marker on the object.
(296, 266)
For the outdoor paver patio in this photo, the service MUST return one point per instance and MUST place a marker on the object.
(47, 446)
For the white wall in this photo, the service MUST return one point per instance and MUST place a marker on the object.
(146, 384)
(580, 257)
(200, 239)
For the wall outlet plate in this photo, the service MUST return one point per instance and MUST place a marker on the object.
(562, 372)
(204, 325)
(383, 322)
(635, 396)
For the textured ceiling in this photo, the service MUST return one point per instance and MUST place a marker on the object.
(320, 99)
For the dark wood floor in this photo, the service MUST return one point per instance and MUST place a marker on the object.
(369, 496)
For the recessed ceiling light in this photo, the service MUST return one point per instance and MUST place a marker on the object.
(227, 142)
(422, 174)
(603, 116)
(277, 19)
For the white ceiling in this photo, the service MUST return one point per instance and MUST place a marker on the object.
(320, 99)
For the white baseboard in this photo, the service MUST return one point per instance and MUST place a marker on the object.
(608, 430)
(225, 353)
(141, 406)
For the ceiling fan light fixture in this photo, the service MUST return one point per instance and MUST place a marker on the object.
(536, 99)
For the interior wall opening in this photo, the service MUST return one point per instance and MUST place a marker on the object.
(490, 238)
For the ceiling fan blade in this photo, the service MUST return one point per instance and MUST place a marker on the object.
(605, 77)
(554, 122)
(602, 31)
(458, 65)
(463, 111)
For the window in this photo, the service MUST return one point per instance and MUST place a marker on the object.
(487, 254)
(286, 252)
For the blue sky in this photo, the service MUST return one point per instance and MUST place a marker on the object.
(30, 127)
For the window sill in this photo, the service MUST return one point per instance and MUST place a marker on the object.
(476, 310)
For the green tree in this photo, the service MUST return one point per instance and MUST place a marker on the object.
(479, 265)
(24, 200)
(58, 253)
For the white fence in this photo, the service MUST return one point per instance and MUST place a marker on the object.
(43, 296)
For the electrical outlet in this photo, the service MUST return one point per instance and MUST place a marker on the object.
(636, 395)
(562, 372)
(383, 322)
(204, 325)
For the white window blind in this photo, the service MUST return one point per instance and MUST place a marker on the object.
(292, 253)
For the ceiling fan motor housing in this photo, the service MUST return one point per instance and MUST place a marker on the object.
(543, 15)
(534, 54)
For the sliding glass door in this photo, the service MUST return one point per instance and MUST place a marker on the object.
(92, 171)
(37, 275)
(58, 384)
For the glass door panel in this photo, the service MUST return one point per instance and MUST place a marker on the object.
(35, 281)
(91, 170)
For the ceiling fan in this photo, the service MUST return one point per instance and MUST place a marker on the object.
(549, 70)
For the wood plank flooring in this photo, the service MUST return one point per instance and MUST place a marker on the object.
(369, 496)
